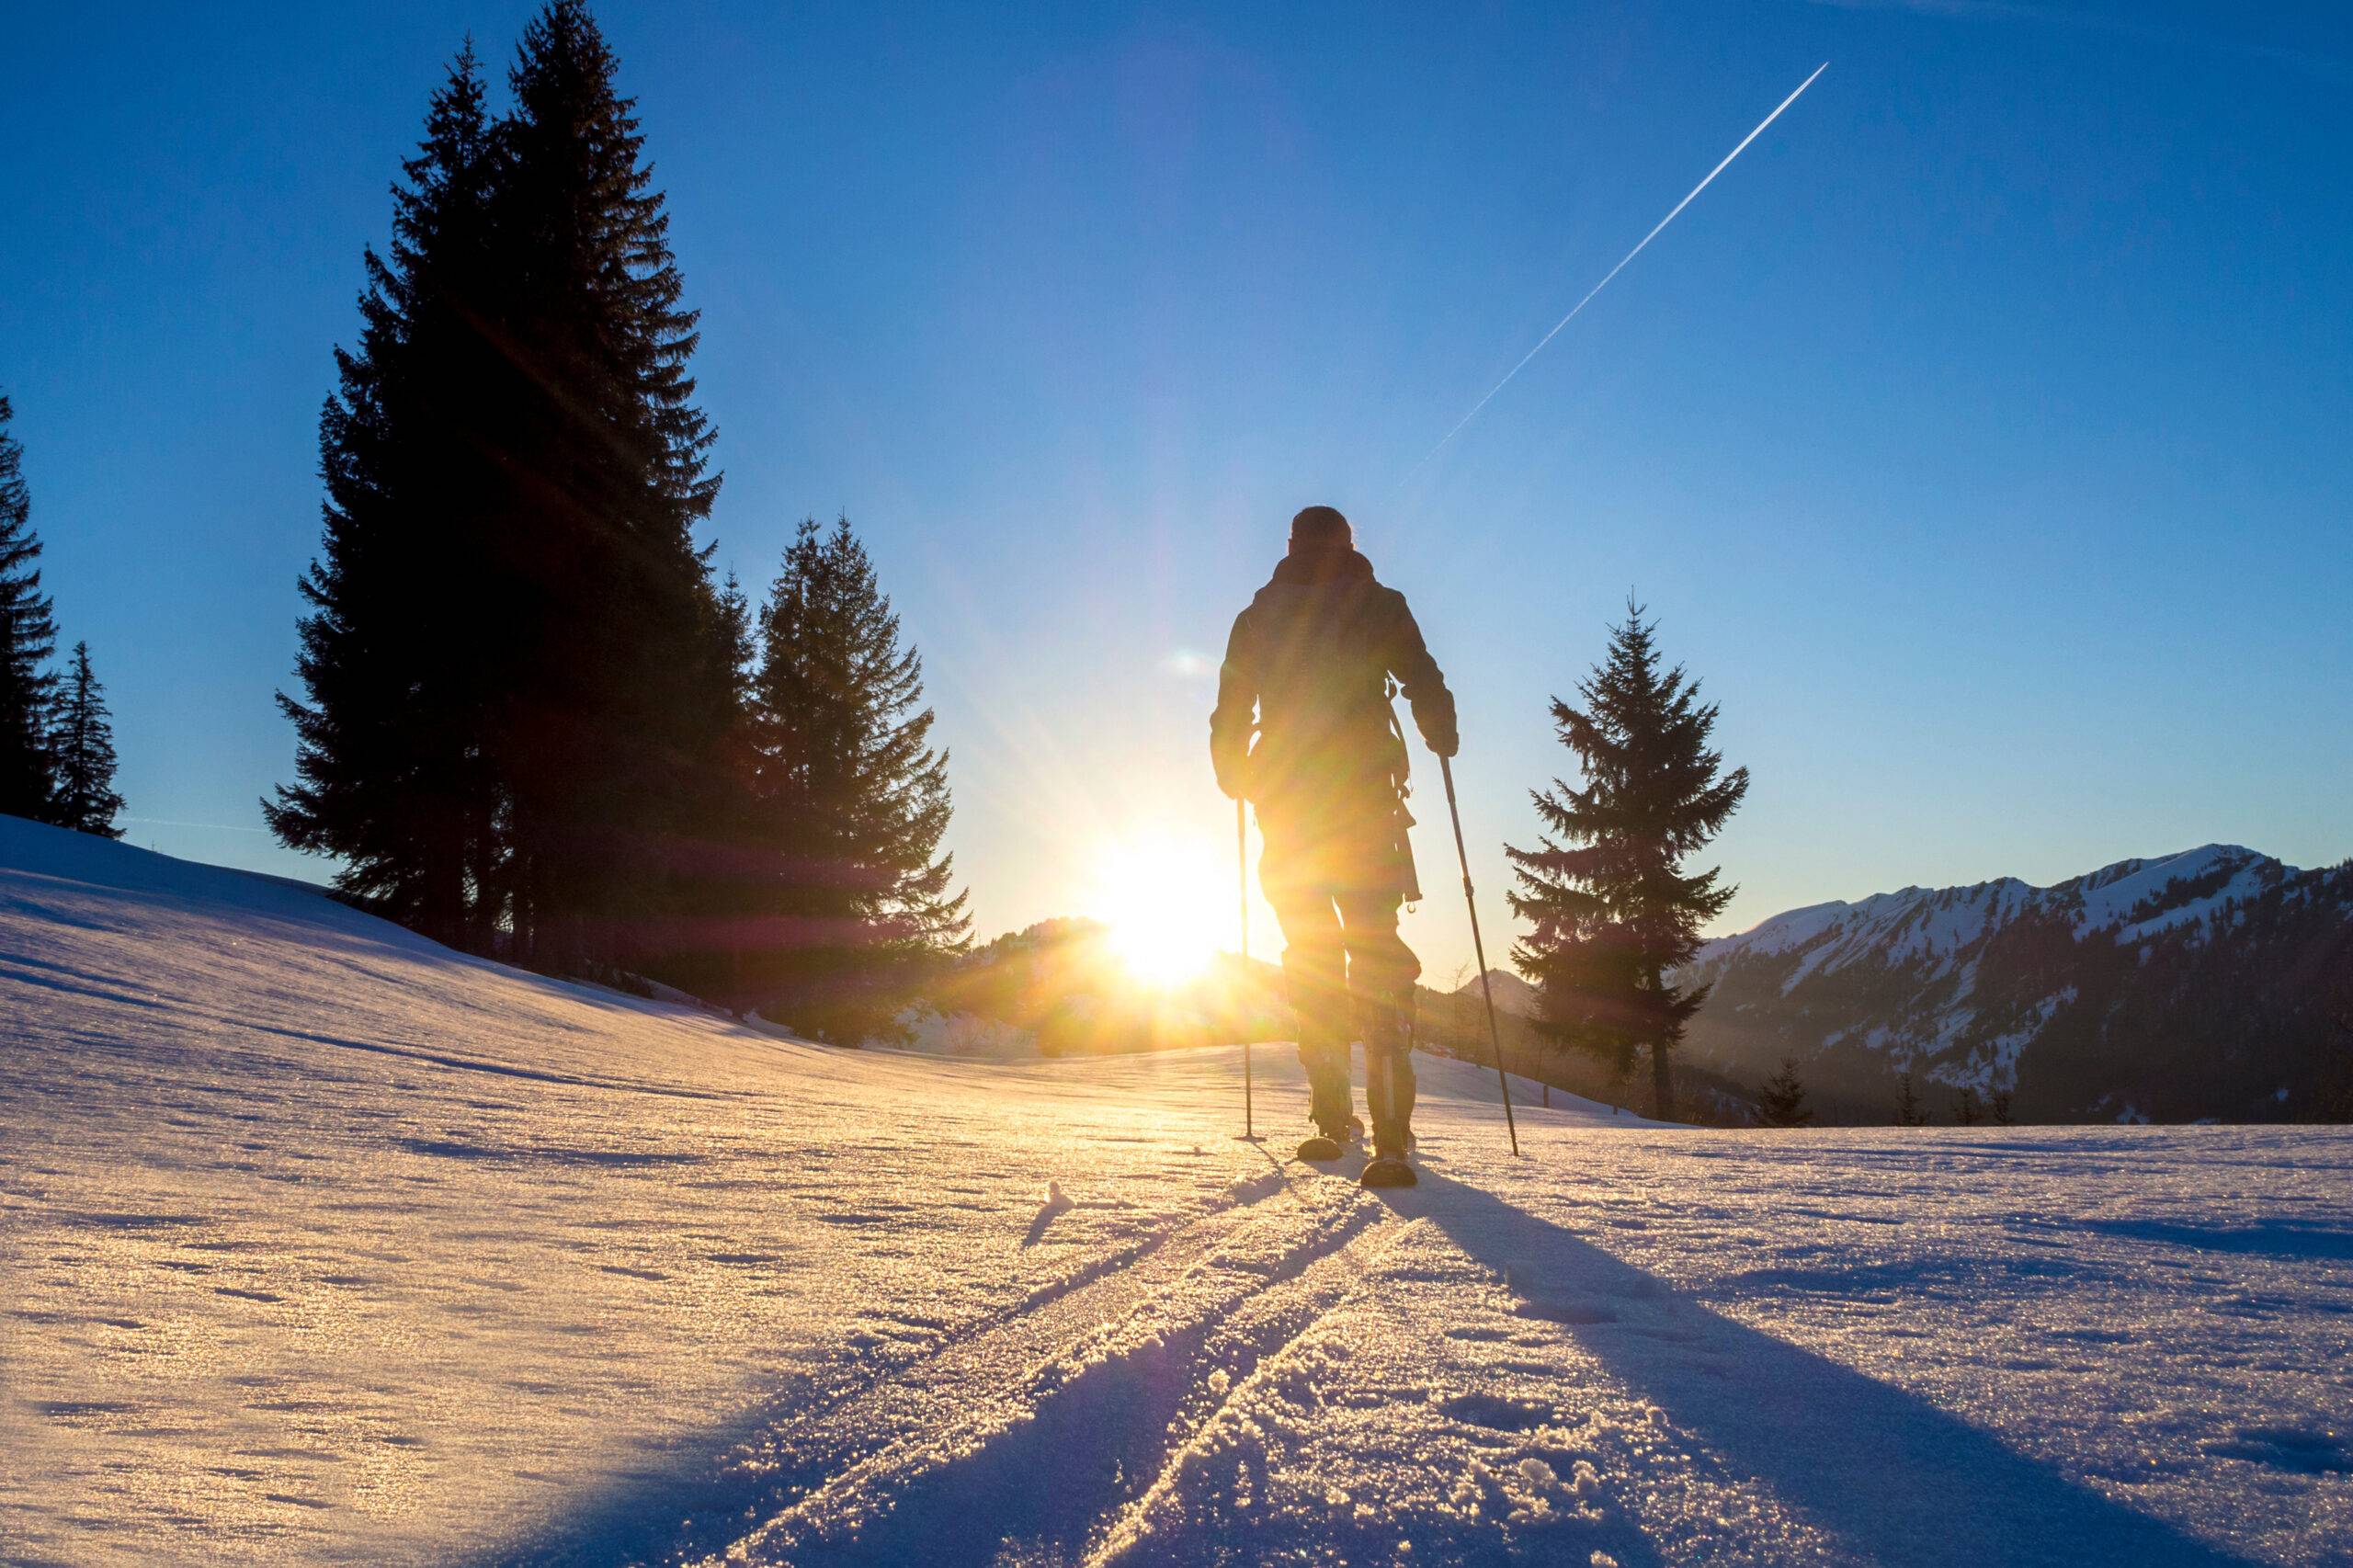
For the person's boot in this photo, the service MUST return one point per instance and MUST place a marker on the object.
(1389, 1086)
(1389, 1166)
(1328, 1106)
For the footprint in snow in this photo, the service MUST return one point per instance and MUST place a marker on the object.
(1498, 1412)
(1564, 1310)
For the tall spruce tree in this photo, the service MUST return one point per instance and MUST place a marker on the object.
(611, 677)
(27, 638)
(854, 797)
(1611, 911)
(81, 743)
(390, 750)
(520, 681)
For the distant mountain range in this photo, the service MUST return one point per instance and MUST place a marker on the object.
(1513, 994)
(2215, 983)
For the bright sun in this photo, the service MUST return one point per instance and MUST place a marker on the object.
(1167, 913)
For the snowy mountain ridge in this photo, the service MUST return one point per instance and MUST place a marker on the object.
(2202, 984)
(2130, 900)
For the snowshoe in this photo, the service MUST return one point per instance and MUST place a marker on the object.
(1325, 1147)
(1388, 1170)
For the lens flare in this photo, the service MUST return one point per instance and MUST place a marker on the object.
(1165, 910)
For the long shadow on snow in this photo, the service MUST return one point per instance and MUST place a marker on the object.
(682, 1501)
(1896, 1479)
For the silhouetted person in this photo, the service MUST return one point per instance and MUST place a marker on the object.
(1309, 675)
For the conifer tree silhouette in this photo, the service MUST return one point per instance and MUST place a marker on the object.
(1611, 911)
(81, 744)
(855, 798)
(388, 732)
(1781, 1101)
(27, 638)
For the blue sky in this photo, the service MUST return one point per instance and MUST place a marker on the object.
(1979, 436)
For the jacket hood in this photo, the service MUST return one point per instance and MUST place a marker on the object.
(1304, 567)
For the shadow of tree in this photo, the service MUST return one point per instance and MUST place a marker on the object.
(1894, 1478)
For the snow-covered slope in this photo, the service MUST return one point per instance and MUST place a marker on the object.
(2200, 984)
(322, 1243)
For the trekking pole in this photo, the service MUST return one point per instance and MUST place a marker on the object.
(1479, 948)
(1242, 864)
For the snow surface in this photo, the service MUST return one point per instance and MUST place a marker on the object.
(322, 1243)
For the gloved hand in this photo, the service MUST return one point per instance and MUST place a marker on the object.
(1439, 734)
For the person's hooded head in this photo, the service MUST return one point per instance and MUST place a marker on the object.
(1321, 530)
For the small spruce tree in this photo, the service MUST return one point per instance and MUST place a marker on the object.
(2000, 1105)
(27, 638)
(1611, 912)
(1781, 1101)
(1909, 1111)
(1967, 1109)
(853, 797)
(81, 742)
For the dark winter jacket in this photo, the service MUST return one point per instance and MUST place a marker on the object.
(1307, 674)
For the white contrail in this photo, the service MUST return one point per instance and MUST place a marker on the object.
(1613, 272)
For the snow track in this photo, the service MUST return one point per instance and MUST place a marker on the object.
(1024, 1440)
(323, 1244)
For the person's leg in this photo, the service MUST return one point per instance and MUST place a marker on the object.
(1382, 971)
(1315, 972)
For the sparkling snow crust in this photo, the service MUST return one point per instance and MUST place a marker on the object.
(322, 1243)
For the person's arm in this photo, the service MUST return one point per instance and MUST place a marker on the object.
(1419, 678)
(1236, 719)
